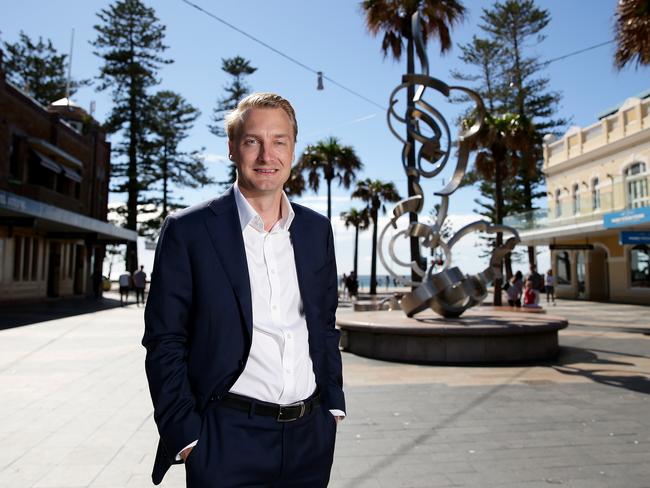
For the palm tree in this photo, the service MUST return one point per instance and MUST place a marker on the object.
(503, 145)
(334, 161)
(632, 32)
(375, 193)
(393, 18)
(360, 220)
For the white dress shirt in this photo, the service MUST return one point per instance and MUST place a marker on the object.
(279, 368)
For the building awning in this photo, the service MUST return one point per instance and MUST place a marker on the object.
(48, 162)
(71, 174)
(58, 168)
(62, 223)
(53, 151)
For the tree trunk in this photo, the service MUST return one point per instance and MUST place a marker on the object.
(373, 262)
(132, 203)
(528, 201)
(410, 180)
(329, 199)
(165, 178)
(356, 250)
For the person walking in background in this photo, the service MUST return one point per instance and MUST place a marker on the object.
(125, 285)
(550, 286)
(515, 289)
(139, 283)
(537, 281)
(352, 284)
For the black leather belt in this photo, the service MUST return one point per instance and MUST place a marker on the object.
(282, 413)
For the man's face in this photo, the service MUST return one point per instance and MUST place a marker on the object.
(263, 151)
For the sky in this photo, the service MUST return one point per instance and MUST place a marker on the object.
(332, 37)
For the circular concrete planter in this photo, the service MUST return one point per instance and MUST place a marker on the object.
(480, 335)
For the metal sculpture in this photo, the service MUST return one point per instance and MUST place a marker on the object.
(447, 290)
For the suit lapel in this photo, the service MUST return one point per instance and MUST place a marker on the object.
(224, 229)
(301, 250)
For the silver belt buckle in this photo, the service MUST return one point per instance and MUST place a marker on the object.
(297, 404)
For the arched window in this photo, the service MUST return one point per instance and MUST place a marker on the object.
(595, 194)
(636, 184)
(575, 194)
(558, 205)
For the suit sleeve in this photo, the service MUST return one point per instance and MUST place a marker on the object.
(335, 396)
(166, 338)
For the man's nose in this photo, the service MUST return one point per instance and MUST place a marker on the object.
(266, 153)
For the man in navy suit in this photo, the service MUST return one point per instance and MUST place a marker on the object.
(242, 358)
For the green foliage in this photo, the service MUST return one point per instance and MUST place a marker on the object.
(632, 29)
(169, 118)
(38, 69)
(329, 160)
(375, 193)
(238, 68)
(360, 220)
(393, 18)
(130, 42)
(511, 82)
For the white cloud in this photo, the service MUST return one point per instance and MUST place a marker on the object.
(215, 158)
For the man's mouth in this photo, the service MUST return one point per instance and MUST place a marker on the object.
(266, 171)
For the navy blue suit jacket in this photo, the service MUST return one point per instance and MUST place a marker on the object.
(199, 321)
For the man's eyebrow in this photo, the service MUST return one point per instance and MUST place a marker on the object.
(275, 136)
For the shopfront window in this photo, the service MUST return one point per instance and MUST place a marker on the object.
(640, 266)
(581, 271)
(563, 268)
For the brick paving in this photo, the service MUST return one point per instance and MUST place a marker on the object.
(76, 412)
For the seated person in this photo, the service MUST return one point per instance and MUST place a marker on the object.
(529, 296)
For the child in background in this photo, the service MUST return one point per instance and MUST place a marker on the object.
(529, 296)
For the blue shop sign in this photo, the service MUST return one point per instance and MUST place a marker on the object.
(631, 216)
(628, 237)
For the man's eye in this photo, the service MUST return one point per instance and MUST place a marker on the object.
(248, 142)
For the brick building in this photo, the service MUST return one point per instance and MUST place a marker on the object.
(54, 173)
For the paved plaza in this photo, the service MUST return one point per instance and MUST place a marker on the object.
(75, 410)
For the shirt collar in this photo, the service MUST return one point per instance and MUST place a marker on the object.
(248, 215)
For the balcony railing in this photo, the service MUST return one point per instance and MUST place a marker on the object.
(613, 195)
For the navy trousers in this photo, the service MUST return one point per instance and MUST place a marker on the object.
(237, 449)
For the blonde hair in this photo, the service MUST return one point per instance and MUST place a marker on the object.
(234, 120)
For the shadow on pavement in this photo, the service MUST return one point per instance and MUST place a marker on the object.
(18, 315)
(637, 383)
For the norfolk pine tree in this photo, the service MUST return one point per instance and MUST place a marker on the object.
(238, 68)
(514, 25)
(38, 69)
(130, 41)
(169, 119)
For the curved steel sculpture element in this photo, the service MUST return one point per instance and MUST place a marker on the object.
(447, 290)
